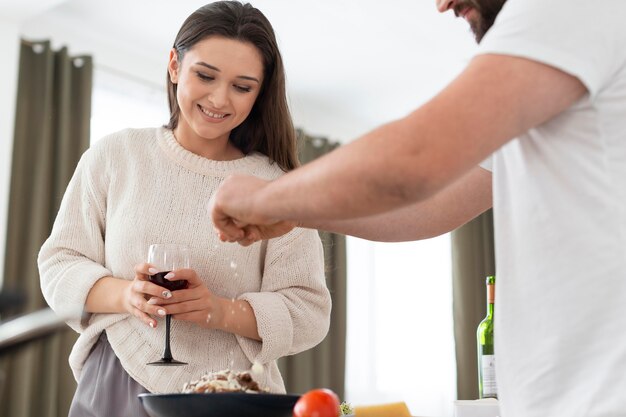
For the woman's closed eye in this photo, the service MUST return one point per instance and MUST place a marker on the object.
(239, 87)
(243, 88)
(204, 77)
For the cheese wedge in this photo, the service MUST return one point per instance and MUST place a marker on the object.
(383, 410)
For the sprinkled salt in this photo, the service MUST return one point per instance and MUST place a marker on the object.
(257, 368)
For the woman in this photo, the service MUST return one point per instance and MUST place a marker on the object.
(141, 186)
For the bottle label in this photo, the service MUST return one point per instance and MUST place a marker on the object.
(491, 294)
(489, 376)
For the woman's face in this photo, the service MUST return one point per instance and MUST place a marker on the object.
(218, 81)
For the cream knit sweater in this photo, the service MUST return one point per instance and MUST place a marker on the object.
(138, 187)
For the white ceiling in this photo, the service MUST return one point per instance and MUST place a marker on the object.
(351, 64)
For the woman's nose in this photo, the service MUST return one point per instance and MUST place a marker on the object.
(218, 97)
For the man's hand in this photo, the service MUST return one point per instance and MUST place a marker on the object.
(237, 214)
(254, 233)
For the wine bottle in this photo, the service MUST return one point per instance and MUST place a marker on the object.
(487, 387)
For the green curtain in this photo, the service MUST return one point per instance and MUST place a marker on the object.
(51, 132)
(324, 365)
(472, 260)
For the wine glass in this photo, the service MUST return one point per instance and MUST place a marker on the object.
(166, 258)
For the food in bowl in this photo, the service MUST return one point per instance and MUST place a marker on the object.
(346, 409)
(224, 381)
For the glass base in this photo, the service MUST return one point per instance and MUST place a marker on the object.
(167, 362)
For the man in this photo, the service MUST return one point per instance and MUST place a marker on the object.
(543, 106)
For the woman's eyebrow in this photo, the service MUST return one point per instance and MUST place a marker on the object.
(245, 77)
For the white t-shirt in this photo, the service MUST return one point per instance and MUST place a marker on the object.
(560, 219)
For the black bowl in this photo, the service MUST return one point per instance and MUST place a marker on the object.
(225, 404)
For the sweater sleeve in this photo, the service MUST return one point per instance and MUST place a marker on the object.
(293, 307)
(71, 259)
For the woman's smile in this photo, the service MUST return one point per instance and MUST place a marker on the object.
(212, 116)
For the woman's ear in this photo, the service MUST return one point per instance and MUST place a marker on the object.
(173, 66)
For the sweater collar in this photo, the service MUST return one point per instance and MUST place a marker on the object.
(197, 163)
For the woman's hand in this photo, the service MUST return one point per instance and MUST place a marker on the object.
(199, 305)
(195, 303)
(138, 296)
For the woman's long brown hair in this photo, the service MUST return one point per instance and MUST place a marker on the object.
(268, 129)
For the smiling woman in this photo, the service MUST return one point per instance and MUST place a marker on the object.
(142, 186)
(212, 96)
(218, 97)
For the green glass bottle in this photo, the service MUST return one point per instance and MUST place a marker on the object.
(487, 387)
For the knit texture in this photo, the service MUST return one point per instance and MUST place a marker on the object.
(138, 187)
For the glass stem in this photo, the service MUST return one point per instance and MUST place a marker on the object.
(167, 354)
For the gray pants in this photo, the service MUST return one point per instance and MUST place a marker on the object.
(105, 389)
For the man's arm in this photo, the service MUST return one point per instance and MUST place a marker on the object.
(452, 207)
(495, 99)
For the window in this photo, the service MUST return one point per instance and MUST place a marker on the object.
(400, 342)
(120, 101)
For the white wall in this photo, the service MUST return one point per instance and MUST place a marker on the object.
(108, 52)
(329, 98)
(9, 45)
(343, 78)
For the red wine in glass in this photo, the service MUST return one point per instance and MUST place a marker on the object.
(168, 257)
(174, 285)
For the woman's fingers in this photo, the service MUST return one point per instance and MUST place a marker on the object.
(189, 275)
(180, 296)
(150, 308)
(145, 318)
(145, 298)
(206, 312)
(195, 303)
(145, 311)
(150, 289)
(198, 304)
(144, 270)
(247, 241)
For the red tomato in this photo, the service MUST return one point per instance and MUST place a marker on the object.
(317, 403)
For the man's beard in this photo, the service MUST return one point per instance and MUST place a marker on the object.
(487, 12)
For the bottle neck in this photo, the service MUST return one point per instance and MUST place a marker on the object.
(491, 297)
